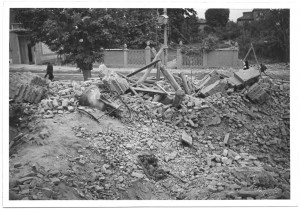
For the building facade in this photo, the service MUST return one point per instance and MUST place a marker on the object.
(21, 51)
(255, 15)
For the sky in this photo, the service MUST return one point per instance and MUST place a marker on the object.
(233, 15)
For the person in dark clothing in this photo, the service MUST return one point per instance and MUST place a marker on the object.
(49, 71)
(263, 69)
(246, 65)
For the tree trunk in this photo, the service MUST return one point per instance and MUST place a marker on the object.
(86, 74)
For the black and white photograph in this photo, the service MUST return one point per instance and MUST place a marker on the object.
(133, 103)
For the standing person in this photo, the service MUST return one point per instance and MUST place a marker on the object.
(49, 71)
(246, 65)
(263, 69)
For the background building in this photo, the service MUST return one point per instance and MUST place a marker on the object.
(21, 51)
(255, 15)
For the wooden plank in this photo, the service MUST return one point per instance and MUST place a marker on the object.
(161, 88)
(158, 71)
(185, 84)
(143, 68)
(149, 90)
(170, 78)
(135, 93)
(123, 76)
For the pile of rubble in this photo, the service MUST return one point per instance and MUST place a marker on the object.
(26, 87)
(224, 138)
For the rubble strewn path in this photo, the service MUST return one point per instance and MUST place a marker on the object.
(219, 147)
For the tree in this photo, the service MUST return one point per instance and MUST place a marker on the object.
(139, 26)
(277, 26)
(183, 24)
(217, 17)
(270, 35)
(80, 34)
(230, 32)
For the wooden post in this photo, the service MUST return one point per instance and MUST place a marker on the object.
(190, 85)
(158, 71)
(148, 53)
(148, 71)
(179, 96)
(157, 66)
(185, 84)
(179, 56)
(125, 50)
(170, 78)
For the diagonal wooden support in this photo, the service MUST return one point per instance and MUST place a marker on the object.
(185, 84)
(143, 68)
(169, 77)
(148, 71)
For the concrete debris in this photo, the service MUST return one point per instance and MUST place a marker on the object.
(116, 83)
(247, 77)
(27, 87)
(90, 97)
(186, 138)
(257, 94)
(240, 136)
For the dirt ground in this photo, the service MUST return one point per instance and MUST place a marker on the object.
(69, 156)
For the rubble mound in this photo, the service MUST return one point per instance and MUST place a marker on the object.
(231, 144)
(27, 87)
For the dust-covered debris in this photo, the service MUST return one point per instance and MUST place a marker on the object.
(239, 146)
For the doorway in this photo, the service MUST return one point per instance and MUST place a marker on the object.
(30, 57)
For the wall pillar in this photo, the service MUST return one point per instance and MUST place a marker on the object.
(37, 54)
(148, 53)
(19, 50)
(125, 50)
(179, 56)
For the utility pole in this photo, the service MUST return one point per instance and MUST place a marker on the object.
(165, 39)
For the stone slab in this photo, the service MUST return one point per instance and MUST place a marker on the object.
(247, 76)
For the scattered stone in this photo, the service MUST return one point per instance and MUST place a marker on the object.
(71, 108)
(226, 138)
(98, 188)
(81, 162)
(22, 180)
(187, 138)
(48, 192)
(120, 179)
(212, 188)
(225, 152)
(17, 165)
(65, 103)
(137, 175)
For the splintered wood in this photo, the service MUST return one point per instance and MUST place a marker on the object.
(160, 88)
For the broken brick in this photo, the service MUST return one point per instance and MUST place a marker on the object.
(187, 138)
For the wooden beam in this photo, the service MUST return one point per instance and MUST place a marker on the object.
(170, 78)
(149, 90)
(148, 71)
(190, 85)
(143, 68)
(185, 84)
(161, 88)
(123, 76)
(204, 80)
(158, 71)
(135, 93)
